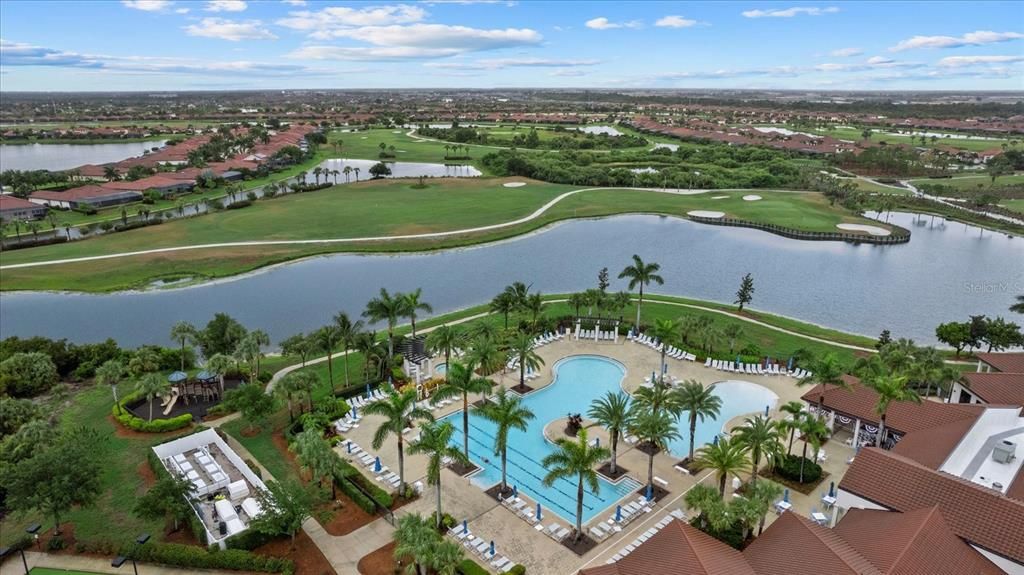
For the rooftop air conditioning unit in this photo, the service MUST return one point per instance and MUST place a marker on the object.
(1004, 451)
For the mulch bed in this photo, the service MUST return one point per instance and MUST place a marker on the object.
(521, 389)
(345, 516)
(659, 492)
(648, 448)
(463, 470)
(307, 557)
(478, 403)
(690, 466)
(380, 561)
(122, 431)
(805, 488)
(580, 547)
(494, 491)
(606, 470)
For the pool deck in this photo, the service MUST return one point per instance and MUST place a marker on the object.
(540, 554)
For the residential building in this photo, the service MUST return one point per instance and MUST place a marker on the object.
(85, 196)
(13, 208)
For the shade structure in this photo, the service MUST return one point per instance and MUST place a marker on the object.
(376, 465)
(539, 514)
(515, 491)
(492, 546)
(785, 495)
(618, 513)
(177, 377)
(465, 526)
(205, 376)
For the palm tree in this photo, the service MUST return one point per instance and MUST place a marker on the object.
(708, 504)
(759, 436)
(504, 304)
(443, 339)
(534, 306)
(795, 409)
(733, 331)
(316, 456)
(575, 459)
(700, 402)
(641, 274)
(347, 170)
(414, 537)
(612, 411)
(576, 301)
(296, 385)
(664, 330)
(487, 353)
(399, 410)
(930, 368)
(812, 430)
(764, 493)
(413, 304)
(462, 380)
(521, 348)
(656, 430)
(111, 372)
(825, 371)
(152, 385)
(890, 388)
(346, 330)
(435, 443)
(507, 412)
(725, 457)
(356, 170)
(658, 398)
(184, 332)
(219, 364)
(326, 339)
(389, 308)
(1019, 306)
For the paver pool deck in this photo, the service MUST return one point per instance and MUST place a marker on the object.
(517, 539)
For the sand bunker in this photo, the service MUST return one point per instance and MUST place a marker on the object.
(751, 198)
(873, 230)
(720, 197)
(514, 184)
(705, 214)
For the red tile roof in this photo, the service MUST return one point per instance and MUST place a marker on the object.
(678, 549)
(982, 516)
(931, 447)
(9, 202)
(142, 184)
(1004, 362)
(795, 545)
(917, 542)
(73, 194)
(904, 416)
(997, 387)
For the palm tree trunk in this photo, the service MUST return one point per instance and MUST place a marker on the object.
(803, 459)
(792, 435)
(346, 364)
(504, 467)
(721, 484)
(757, 461)
(881, 431)
(330, 370)
(151, 400)
(639, 303)
(615, 448)
(447, 363)
(401, 465)
(522, 373)
(412, 319)
(693, 431)
(650, 469)
(579, 508)
(439, 502)
(465, 421)
(182, 355)
(291, 418)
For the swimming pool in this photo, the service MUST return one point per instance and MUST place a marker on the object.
(441, 369)
(738, 398)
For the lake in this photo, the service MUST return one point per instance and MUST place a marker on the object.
(946, 272)
(55, 157)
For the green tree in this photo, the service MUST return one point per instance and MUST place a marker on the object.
(286, 506)
(413, 303)
(461, 380)
(612, 411)
(185, 334)
(708, 504)
(399, 411)
(954, 334)
(326, 340)
(27, 374)
(315, 456)
(725, 457)
(504, 304)
(294, 386)
(521, 348)
(795, 410)
(760, 436)
(813, 431)
(219, 364)
(415, 538)
(144, 360)
(346, 330)
(1001, 334)
(889, 388)
(16, 412)
(824, 371)
(435, 443)
(152, 386)
(746, 292)
(1019, 306)
(657, 398)
(443, 339)
(664, 331)
(254, 405)
(641, 274)
(170, 498)
(575, 459)
(656, 429)
(733, 331)
(299, 345)
(221, 335)
(388, 308)
(698, 402)
(487, 353)
(111, 372)
(507, 412)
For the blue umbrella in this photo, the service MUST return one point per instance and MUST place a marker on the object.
(618, 513)
(539, 514)
(177, 377)
(715, 441)
(204, 375)
(785, 495)
(349, 447)
(832, 489)
(515, 491)
(355, 413)
(650, 492)
(492, 546)
(376, 465)
(766, 411)
(737, 359)
(790, 366)
(465, 526)
(597, 442)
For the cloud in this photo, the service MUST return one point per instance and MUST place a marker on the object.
(964, 61)
(675, 22)
(147, 5)
(226, 6)
(570, 73)
(323, 24)
(501, 63)
(846, 52)
(790, 12)
(875, 62)
(294, 2)
(418, 41)
(603, 23)
(977, 38)
(181, 11)
(232, 30)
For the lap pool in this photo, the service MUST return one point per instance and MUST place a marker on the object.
(578, 381)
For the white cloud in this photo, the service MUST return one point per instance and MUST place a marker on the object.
(675, 22)
(500, 63)
(977, 38)
(364, 54)
(963, 61)
(226, 6)
(790, 12)
(569, 73)
(294, 2)
(846, 52)
(148, 5)
(603, 23)
(322, 24)
(181, 11)
(441, 37)
(233, 30)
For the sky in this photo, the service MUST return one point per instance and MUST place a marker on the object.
(164, 45)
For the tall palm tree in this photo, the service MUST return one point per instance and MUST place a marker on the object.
(296, 385)
(184, 333)
(327, 339)
(462, 380)
(1019, 306)
(733, 331)
(346, 330)
(347, 170)
(399, 410)
(356, 170)
(825, 371)
(414, 537)
(111, 372)
(656, 430)
(657, 399)
(387, 307)
(220, 364)
(534, 307)
(504, 304)
(890, 388)
(435, 443)
(575, 459)
(664, 330)
(413, 304)
(316, 456)
(443, 339)
(507, 412)
(930, 368)
(759, 436)
(487, 353)
(795, 410)
(151, 386)
(725, 457)
(576, 301)
(521, 348)
(641, 274)
(812, 430)
(262, 340)
(700, 403)
(612, 411)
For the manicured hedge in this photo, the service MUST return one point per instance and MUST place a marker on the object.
(352, 492)
(192, 557)
(128, 419)
(789, 468)
(248, 540)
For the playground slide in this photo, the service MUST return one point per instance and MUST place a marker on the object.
(170, 402)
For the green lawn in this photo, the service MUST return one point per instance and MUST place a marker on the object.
(45, 571)
(366, 145)
(873, 188)
(1015, 205)
(971, 183)
(854, 134)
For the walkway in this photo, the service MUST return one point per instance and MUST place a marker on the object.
(433, 235)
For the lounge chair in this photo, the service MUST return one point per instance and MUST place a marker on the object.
(562, 534)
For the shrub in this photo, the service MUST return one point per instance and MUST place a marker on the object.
(239, 205)
(129, 419)
(254, 468)
(517, 570)
(789, 468)
(192, 557)
(27, 374)
(56, 543)
(248, 540)
(470, 567)
(447, 521)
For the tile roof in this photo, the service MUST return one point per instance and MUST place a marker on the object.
(1004, 362)
(9, 202)
(79, 193)
(859, 401)
(917, 542)
(678, 549)
(980, 515)
(997, 387)
(795, 545)
(931, 447)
